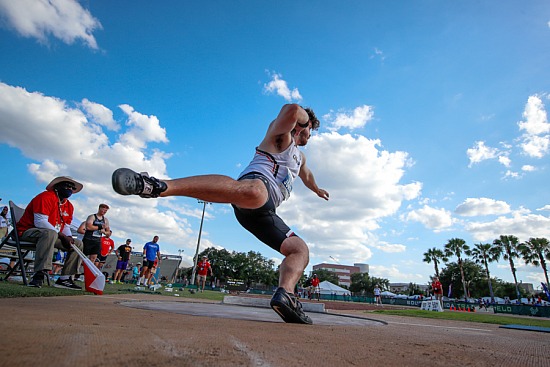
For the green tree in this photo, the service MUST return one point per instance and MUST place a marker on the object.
(485, 253)
(252, 267)
(220, 261)
(536, 251)
(507, 246)
(414, 289)
(507, 289)
(362, 283)
(436, 256)
(456, 247)
(477, 284)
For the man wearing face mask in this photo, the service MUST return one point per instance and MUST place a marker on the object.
(46, 222)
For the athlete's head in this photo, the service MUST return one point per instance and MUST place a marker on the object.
(303, 135)
(314, 122)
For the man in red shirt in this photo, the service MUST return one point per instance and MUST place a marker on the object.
(203, 267)
(107, 246)
(315, 284)
(46, 222)
(437, 289)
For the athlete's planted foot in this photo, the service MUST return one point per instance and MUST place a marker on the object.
(288, 307)
(127, 182)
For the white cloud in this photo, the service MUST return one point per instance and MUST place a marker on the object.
(528, 168)
(64, 19)
(504, 160)
(536, 141)
(354, 120)
(546, 207)
(378, 54)
(280, 87)
(480, 152)
(521, 224)
(512, 174)
(433, 218)
(100, 114)
(364, 186)
(482, 206)
(395, 274)
(389, 247)
(77, 147)
(143, 129)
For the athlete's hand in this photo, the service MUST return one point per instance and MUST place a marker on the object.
(323, 194)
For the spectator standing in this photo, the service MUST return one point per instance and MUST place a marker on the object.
(152, 279)
(437, 289)
(378, 295)
(315, 284)
(151, 252)
(203, 268)
(97, 225)
(107, 246)
(123, 256)
(47, 221)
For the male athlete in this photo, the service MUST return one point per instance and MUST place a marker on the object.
(259, 190)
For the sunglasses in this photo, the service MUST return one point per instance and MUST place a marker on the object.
(69, 185)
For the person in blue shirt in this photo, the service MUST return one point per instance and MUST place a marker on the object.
(151, 252)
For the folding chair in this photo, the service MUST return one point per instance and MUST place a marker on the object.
(21, 247)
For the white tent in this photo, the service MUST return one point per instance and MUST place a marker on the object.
(388, 294)
(327, 287)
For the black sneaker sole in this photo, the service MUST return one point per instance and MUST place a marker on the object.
(125, 182)
(288, 314)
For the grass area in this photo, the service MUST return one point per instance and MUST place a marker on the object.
(12, 290)
(482, 317)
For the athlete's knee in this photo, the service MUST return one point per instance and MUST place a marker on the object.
(253, 193)
(295, 246)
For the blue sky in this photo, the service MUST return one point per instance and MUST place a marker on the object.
(433, 117)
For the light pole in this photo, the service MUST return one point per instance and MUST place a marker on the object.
(198, 242)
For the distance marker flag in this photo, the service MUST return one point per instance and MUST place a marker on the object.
(94, 280)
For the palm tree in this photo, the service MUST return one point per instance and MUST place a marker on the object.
(457, 246)
(435, 255)
(536, 251)
(485, 253)
(508, 247)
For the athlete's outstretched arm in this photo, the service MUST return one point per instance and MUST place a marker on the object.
(291, 118)
(307, 178)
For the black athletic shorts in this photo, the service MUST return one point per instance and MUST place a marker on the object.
(263, 222)
(148, 263)
(92, 246)
(101, 258)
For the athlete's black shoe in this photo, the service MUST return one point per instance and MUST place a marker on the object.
(127, 182)
(288, 307)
